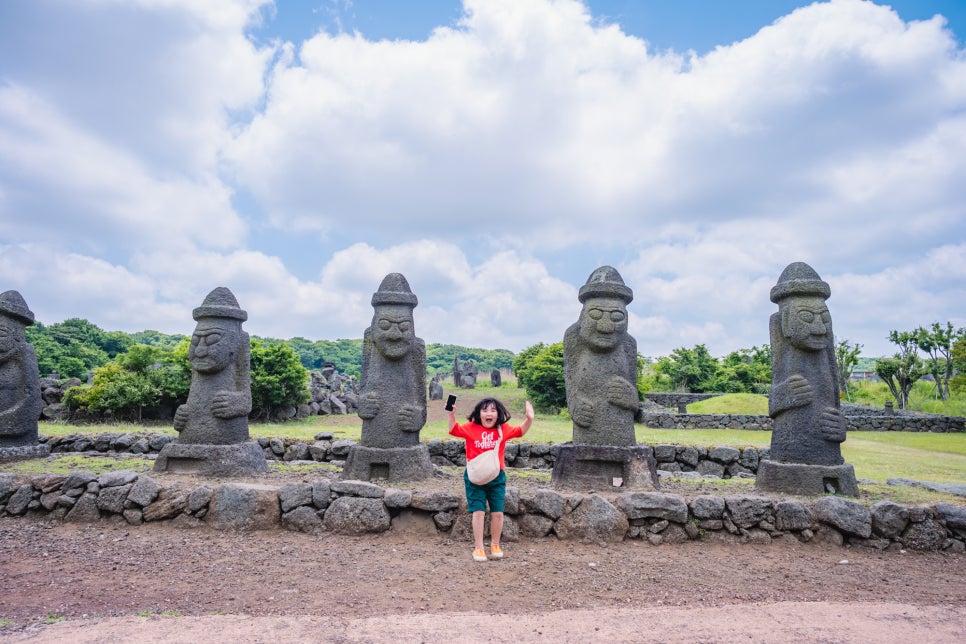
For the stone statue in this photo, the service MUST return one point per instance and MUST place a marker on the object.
(457, 375)
(393, 401)
(213, 423)
(468, 375)
(600, 374)
(435, 388)
(496, 378)
(220, 397)
(808, 427)
(20, 399)
(600, 363)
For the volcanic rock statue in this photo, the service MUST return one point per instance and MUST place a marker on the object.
(213, 423)
(600, 374)
(435, 388)
(20, 400)
(468, 375)
(808, 428)
(496, 378)
(392, 403)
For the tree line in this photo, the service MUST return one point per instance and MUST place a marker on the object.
(540, 368)
(131, 372)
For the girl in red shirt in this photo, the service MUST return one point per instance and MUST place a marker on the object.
(481, 434)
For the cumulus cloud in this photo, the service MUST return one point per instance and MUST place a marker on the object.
(155, 150)
(112, 118)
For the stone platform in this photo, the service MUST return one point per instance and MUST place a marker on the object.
(23, 452)
(392, 464)
(809, 480)
(605, 467)
(240, 459)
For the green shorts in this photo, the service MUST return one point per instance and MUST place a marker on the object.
(493, 492)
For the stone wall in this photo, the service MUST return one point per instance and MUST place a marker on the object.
(359, 508)
(857, 419)
(672, 400)
(724, 462)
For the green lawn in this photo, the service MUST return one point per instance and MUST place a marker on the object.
(933, 457)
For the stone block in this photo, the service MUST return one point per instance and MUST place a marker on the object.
(243, 506)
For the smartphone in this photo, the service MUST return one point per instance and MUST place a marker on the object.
(450, 402)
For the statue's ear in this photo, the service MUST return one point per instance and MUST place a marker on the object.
(786, 311)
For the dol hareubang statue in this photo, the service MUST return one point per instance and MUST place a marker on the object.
(600, 374)
(213, 423)
(220, 397)
(20, 400)
(600, 363)
(392, 402)
(808, 429)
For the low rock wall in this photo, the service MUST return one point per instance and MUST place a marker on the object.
(855, 422)
(724, 462)
(672, 400)
(359, 508)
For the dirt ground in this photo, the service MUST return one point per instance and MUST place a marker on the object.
(110, 582)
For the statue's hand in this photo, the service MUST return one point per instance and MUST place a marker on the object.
(789, 394)
(230, 404)
(798, 390)
(583, 413)
(369, 404)
(621, 393)
(409, 418)
(833, 425)
(181, 418)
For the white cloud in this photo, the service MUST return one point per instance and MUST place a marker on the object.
(153, 151)
(530, 114)
(61, 180)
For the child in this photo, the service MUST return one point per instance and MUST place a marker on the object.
(481, 434)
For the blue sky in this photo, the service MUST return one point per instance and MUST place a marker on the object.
(495, 152)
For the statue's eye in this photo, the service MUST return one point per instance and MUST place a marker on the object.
(195, 340)
(404, 326)
(213, 339)
(385, 325)
(595, 314)
(616, 316)
(806, 316)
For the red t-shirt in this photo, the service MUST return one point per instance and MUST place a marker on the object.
(480, 439)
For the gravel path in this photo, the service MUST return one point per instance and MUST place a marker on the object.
(154, 583)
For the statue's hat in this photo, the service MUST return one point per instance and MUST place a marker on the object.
(220, 303)
(605, 282)
(394, 289)
(13, 305)
(799, 278)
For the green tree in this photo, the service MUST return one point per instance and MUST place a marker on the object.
(521, 364)
(958, 357)
(902, 370)
(690, 370)
(937, 342)
(744, 371)
(846, 358)
(545, 379)
(141, 377)
(278, 378)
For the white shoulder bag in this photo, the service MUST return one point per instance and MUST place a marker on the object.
(485, 467)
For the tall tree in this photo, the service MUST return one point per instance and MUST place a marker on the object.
(846, 357)
(937, 342)
(902, 370)
(690, 369)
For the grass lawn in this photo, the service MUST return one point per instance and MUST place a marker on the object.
(939, 458)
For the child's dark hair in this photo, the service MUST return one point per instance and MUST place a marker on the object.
(502, 415)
